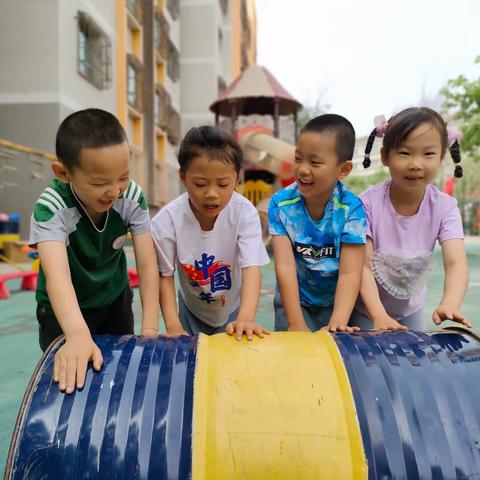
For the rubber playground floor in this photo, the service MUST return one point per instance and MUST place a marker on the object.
(19, 350)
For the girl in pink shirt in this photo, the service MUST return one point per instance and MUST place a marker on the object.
(406, 215)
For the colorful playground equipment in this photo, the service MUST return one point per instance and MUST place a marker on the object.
(400, 405)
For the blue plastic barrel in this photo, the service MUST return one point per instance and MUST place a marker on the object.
(400, 405)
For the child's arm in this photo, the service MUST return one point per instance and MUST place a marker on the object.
(369, 292)
(71, 360)
(286, 271)
(146, 262)
(456, 282)
(348, 286)
(245, 322)
(168, 304)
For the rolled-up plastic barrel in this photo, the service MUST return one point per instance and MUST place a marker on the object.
(400, 405)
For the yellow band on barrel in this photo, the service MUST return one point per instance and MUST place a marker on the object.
(274, 408)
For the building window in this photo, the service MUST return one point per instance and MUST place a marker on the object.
(174, 8)
(134, 74)
(93, 52)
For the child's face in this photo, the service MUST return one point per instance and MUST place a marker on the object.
(317, 167)
(100, 177)
(210, 184)
(415, 163)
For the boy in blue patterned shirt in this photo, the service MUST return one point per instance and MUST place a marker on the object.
(318, 232)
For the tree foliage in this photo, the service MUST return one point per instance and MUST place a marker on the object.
(462, 98)
(359, 183)
(311, 111)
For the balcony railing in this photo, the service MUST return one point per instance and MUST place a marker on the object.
(173, 62)
(162, 106)
(135, 8)
(173, 129)
(162, 33)
(174, 8)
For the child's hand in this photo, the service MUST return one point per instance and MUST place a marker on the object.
(386, 322)
(176, 330)
(149, 332)
(339, 326)
(71, 361)
(239, 327)
(448, 312)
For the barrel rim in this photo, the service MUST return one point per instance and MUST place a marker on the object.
(23, 407)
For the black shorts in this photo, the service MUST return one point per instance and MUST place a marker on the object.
(114, 319)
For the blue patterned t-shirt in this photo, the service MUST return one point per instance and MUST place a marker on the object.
(316, 243)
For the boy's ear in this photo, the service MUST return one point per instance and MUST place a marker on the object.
(181, 175)
(345, 169)
(60, 172)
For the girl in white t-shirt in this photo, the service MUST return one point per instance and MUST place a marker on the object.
(212, 236)
(406, 216)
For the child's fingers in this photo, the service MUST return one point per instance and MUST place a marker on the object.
(97, 359)
(56, 368)
(463, 320)
(239, 332)
(258, 330)
(62, 376)
(249, 333)
(436, 318)
(71, 375)
(230, 329)
(266, 331)
(82, 364)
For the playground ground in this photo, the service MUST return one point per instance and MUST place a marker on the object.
(19, 350)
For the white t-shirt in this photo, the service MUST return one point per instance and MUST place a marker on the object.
(209, 263)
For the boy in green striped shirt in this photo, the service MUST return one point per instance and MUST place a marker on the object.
(79, 225)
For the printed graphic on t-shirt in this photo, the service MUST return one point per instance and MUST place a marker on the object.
(314, 251)
(209, 276)
(403, 275)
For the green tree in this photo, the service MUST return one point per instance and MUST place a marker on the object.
(462, 98)
(311, 111)
(359, 183)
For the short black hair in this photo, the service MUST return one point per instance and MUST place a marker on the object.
(341, 127)
(90, 128)
(213, 142)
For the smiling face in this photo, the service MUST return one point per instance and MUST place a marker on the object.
(414, 164)
(210, 184)
(100, 177)
(317, 166)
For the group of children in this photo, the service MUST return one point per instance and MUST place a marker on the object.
(343, 262)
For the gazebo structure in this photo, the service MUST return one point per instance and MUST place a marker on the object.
(256, 91)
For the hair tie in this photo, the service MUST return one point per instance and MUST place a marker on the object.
(454, 134)
(381, 125)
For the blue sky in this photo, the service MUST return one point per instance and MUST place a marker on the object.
(368, 57)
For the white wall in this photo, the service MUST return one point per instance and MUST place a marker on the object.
(28, 49)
